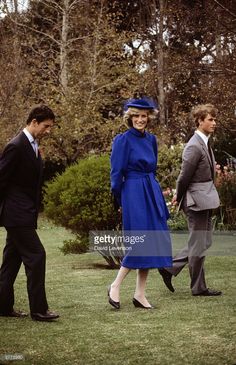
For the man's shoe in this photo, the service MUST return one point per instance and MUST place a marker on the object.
(15, 314)
(209, 293)
(167, 277)
(44, 317)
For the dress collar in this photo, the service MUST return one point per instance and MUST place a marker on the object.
(137, 133)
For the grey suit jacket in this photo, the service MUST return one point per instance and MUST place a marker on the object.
(196, 178)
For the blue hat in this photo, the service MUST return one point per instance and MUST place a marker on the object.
(143, 103)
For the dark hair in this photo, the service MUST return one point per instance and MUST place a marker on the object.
(201, 111)
(40, 113)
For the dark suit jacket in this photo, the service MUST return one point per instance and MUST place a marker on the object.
(20, 183)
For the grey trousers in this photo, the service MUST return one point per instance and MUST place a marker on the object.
(193, 254)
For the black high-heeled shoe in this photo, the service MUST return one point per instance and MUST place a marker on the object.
(137, 304)
(111, 301)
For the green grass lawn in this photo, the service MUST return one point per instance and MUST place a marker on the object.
(181, 330)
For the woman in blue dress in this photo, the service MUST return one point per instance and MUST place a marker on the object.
(139, 196)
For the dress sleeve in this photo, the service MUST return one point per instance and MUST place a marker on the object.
(119, 163)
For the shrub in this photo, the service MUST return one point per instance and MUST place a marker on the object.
(169, 163)
(177, 220)
(226, 186)
(80, 200)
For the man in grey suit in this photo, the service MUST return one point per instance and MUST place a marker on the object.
(197, 196)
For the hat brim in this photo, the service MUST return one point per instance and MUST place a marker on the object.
(138, 106)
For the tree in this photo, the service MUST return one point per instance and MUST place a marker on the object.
(84, 58)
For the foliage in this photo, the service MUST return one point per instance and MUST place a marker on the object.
(226, 186)
(177, 220)
(84, 58)
(169, 162)
(80, 200)
(77, 245)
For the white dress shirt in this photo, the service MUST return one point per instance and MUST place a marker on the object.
(32, 141)
(203, 136)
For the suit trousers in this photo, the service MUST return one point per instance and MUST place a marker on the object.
(23, 245)
(193, 254)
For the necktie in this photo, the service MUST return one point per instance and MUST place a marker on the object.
(209, 150)
(35, 147)
(210, 153)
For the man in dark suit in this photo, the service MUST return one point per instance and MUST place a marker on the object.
(20, 188)
(197, 196)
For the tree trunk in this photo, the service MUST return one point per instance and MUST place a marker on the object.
(15, 8)
(218, 47)
(160, 59)
(63, 50)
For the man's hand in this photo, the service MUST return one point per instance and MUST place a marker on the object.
(174, 200)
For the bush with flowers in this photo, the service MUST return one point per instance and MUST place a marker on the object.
(177, 220)
(226, 186)
(169, 162)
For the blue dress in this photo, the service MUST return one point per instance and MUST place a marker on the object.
(144, 211)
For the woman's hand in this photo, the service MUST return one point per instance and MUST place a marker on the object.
(120, 215)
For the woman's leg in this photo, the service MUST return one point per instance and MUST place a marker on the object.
(140, 287)
(115, 286)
